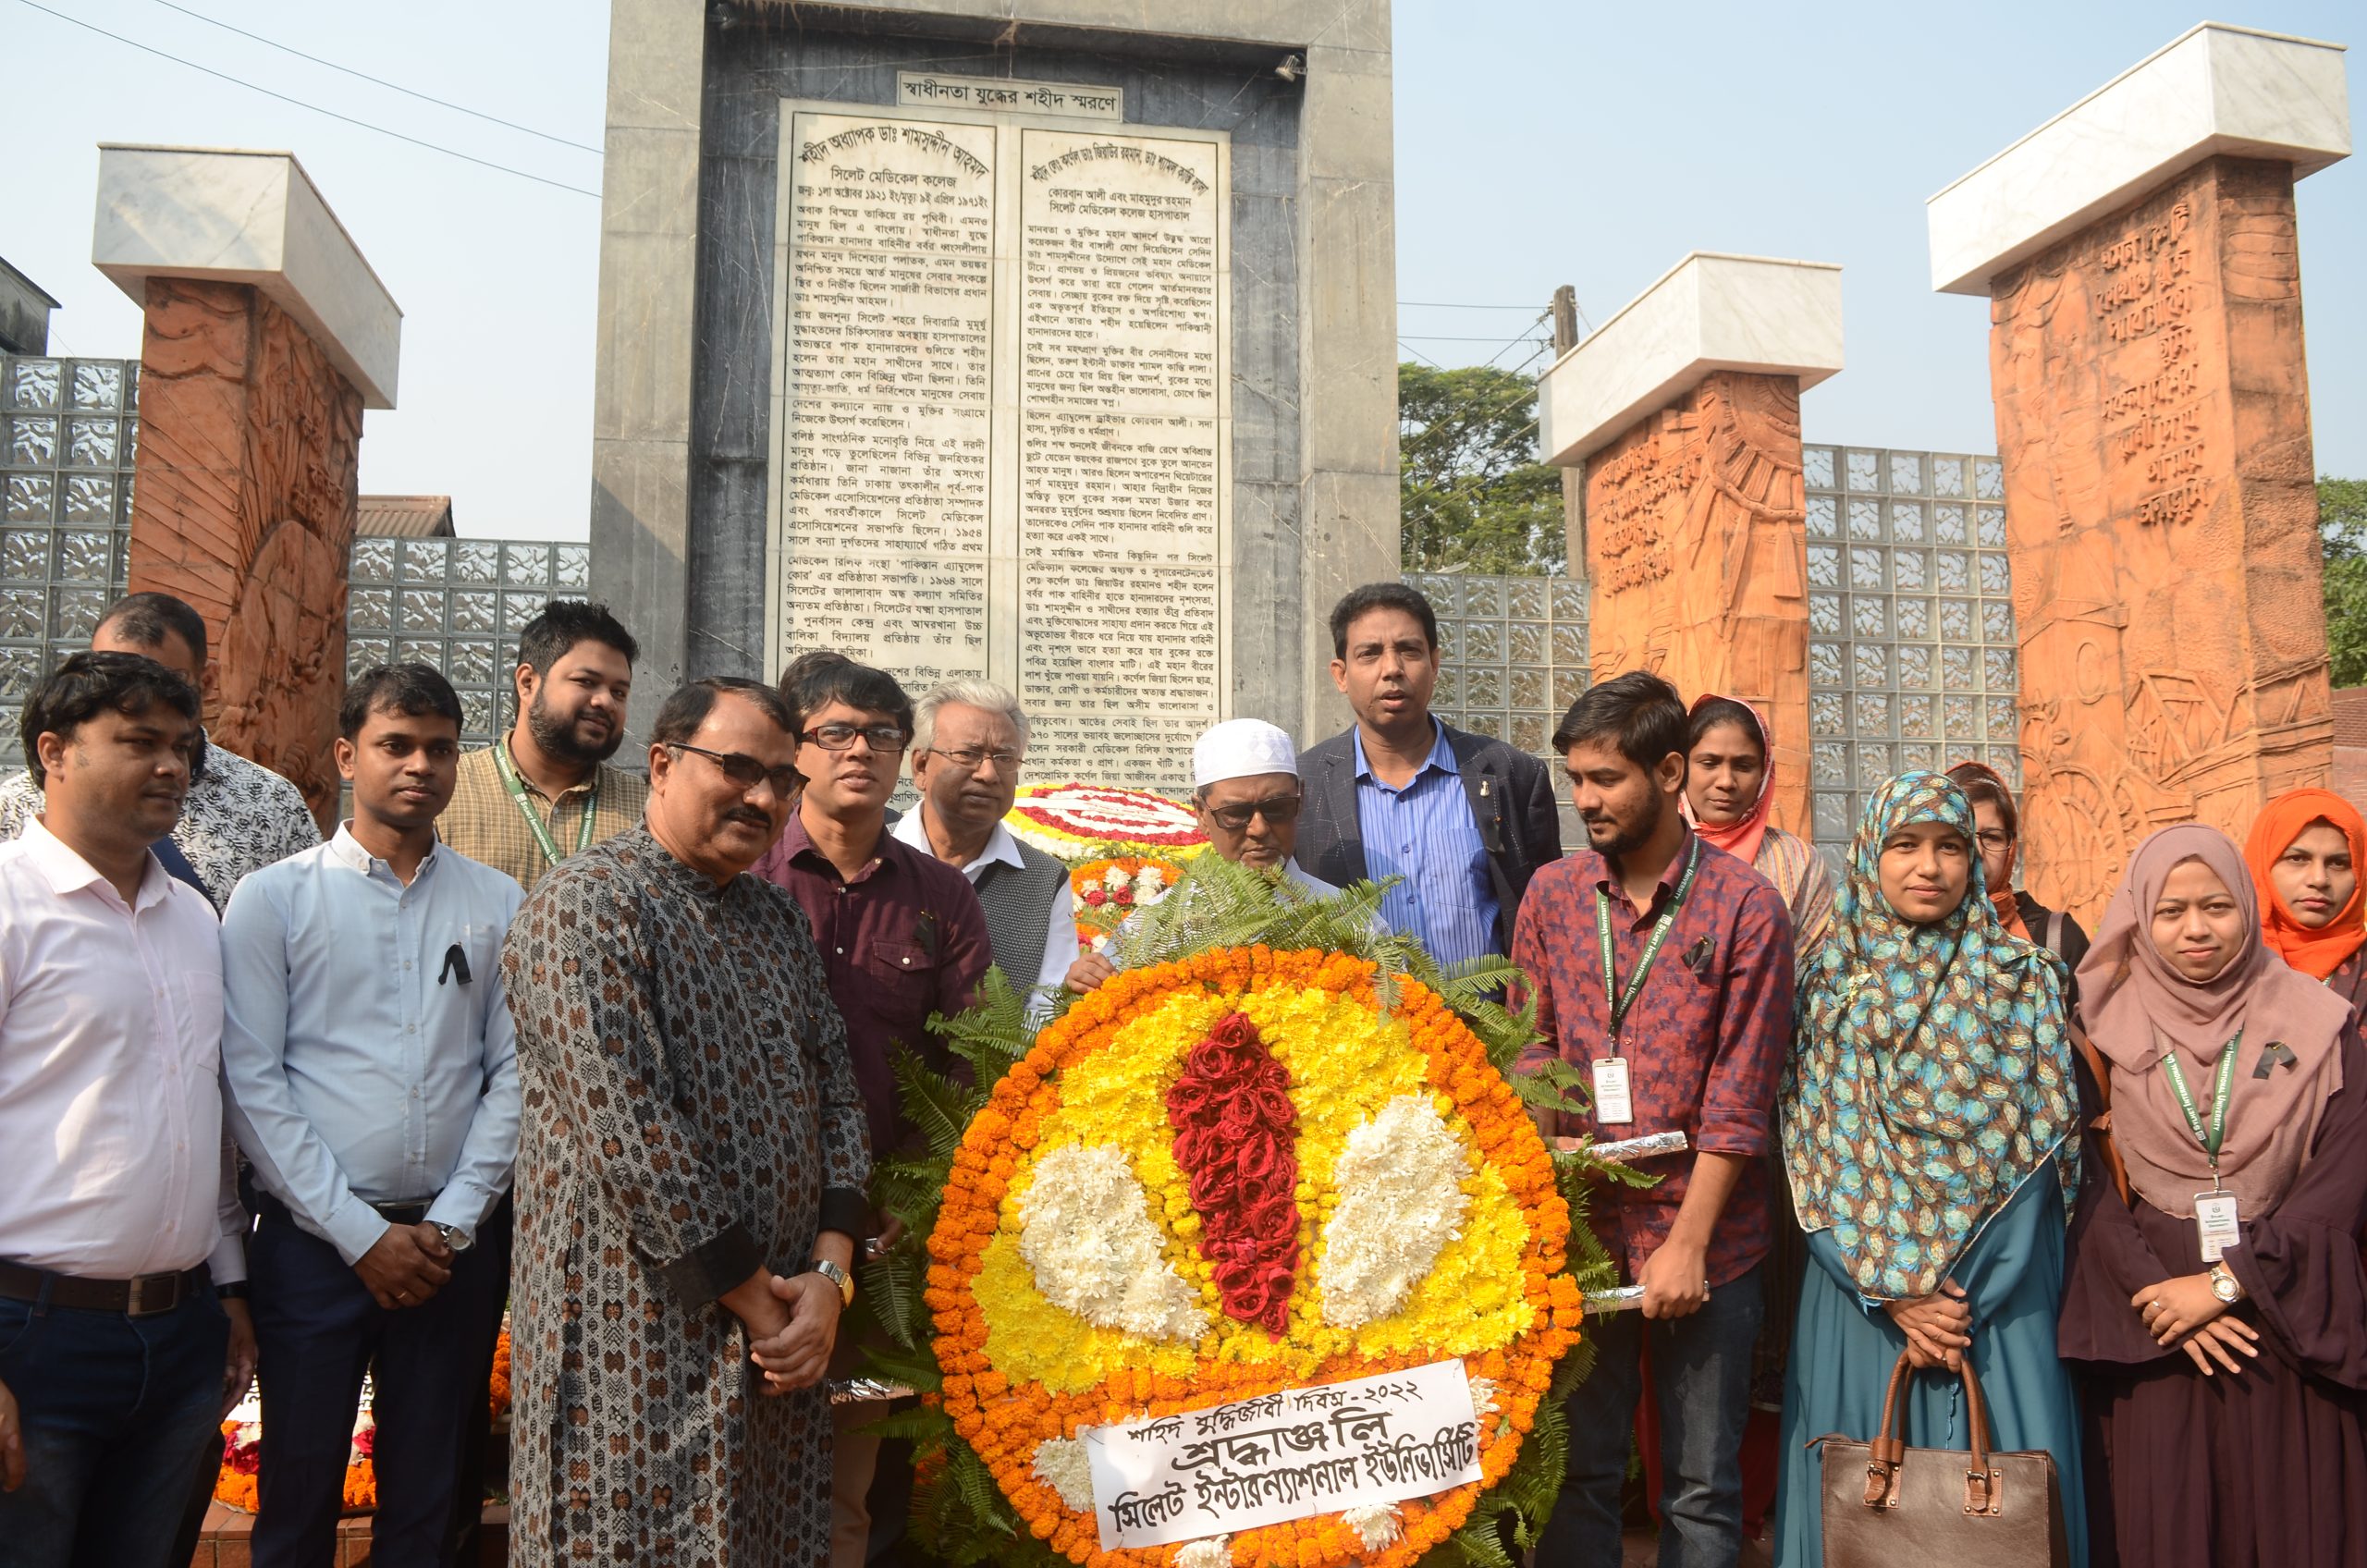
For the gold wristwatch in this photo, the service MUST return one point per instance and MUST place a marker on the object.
(837, 1275)
(2225, 1285)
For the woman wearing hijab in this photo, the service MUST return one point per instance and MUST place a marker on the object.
(1997, 826)
(2219, 1308)
(1728, 800)
(2304, 853)
(1929, 1124)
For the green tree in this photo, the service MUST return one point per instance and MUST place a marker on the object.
(2342, 533)
(1471, 494)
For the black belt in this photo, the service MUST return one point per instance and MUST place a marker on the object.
(151, 1296)
(414, 1213)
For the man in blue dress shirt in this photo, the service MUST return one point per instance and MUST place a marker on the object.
(373, 1084)
(1464, 820)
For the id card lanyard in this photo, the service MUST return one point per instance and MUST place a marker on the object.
(516, 788)
(2217, 1224)
(1613, 1102)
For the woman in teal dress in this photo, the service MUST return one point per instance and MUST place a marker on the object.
(1929, 1120)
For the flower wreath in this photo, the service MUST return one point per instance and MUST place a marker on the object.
(1074, 822)
(1110, 889)
(1239, 1167)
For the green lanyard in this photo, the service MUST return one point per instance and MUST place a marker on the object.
(2223, 1087)
(1619, 1000)
(516, 788)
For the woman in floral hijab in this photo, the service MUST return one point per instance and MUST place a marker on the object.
(1929, 1120)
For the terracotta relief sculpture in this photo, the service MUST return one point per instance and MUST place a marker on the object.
(1697, 524)
(2152, 413)
(243, 506)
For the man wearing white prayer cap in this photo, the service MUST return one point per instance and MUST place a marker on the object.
(1245, 785)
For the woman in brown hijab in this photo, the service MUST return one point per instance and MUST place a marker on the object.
(2219, 1309)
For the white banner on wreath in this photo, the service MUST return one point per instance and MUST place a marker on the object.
(1286, 1455)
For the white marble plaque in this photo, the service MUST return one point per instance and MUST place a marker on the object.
(1002, 430)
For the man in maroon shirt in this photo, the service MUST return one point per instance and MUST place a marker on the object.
(1685, 1034)
(900, 935)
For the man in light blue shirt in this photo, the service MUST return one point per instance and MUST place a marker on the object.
(372, 1075)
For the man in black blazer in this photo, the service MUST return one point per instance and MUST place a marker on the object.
(1463, 819)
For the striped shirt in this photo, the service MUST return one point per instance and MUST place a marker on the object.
(484, 823)
(1423, 832)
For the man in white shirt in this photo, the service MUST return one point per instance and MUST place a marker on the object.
(119, 1219)
(373, 1084)
(969, 740)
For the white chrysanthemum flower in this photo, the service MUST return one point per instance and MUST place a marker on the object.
(1086, 1234)
(1212, 1552)
(1483, 1398)
(1376, 1523)
(1400, 1179)
(1115, 878)
(1061, 1464)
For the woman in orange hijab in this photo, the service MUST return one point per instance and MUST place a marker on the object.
(2304, 852)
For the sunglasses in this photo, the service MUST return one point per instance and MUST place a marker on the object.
(746, 771)
(1280, 810)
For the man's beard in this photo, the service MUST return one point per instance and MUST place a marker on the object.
(1619, 839)
(556, 736)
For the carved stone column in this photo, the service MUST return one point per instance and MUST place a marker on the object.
(1685, 412)
(266, 336)
(2152, 415)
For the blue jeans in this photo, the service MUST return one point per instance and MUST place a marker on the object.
(121, 1417)
(1701, 1372)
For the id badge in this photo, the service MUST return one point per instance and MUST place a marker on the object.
(2216, 1223)
(1613, 1106)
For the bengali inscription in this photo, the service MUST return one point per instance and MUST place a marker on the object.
(933, 91)
(2143, 284)
(1283, 1455)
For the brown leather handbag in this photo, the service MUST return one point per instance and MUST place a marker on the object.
(1886, 1504)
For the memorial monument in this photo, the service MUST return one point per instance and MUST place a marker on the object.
(1057, 349)
(1684, 412)
(266, 336)
(2140, 255)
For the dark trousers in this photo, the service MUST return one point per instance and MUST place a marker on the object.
(493, 1247)
(1701, 1374)
(120, 1417)
(317, 1331)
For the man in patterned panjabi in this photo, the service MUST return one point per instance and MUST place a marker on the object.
(689, 1178)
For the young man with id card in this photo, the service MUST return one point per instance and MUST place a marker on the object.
(1662, 972)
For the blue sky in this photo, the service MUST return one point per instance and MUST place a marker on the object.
(1537, 144)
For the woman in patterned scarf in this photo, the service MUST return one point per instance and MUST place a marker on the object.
(1928, 1121)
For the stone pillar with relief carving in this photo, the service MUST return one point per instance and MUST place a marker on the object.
(266, 336)
(2140, 256)
(1684, 412)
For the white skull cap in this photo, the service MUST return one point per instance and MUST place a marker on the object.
(1241, 748)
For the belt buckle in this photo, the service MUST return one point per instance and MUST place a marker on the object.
(136, 1304)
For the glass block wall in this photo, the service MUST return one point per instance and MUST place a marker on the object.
(67, 430)
(1911, 655)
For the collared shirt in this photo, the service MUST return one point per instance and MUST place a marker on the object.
(1705, 1038)
(1060, 935)
(362, 1069)
(110, 1058)
(237, 817)
(485, 824)
(1422, 831)
(903, 939)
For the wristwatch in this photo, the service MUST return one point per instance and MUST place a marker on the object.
(2225, 1285)
(837, 1275)
(454, 1237)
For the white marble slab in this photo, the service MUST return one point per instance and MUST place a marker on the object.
(237, 216)
(1708, 312)
(2215, 90)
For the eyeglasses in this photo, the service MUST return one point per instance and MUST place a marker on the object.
(885, 738)
(746, 771)
(1280, 810)
(1993, 839)
(967, 758)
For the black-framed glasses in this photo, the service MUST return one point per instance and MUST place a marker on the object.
(745, 770)
(885, 738)
(1280, 810)
(969, 759)
(1993, 839)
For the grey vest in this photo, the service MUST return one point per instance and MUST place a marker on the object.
(1018, 901)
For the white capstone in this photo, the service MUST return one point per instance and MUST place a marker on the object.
(229, 215)
(1708, 312)
(2215, 90)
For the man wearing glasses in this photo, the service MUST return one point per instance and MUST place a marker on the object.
(900, 935)
(969, 738)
